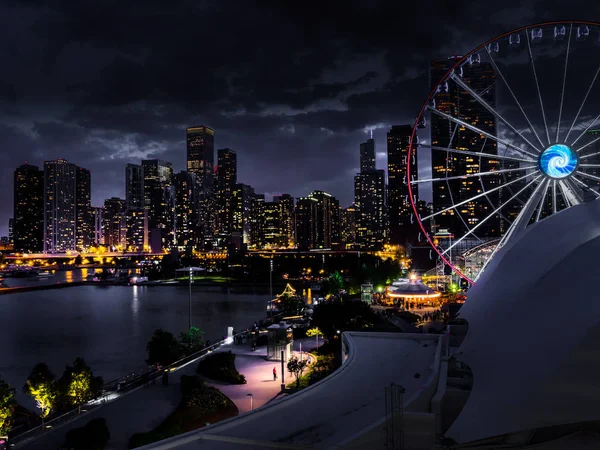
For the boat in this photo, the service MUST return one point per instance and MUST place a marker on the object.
(45, 274)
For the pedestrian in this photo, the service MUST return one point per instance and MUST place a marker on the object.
(274, 373)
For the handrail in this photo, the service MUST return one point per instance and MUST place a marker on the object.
(108, 396)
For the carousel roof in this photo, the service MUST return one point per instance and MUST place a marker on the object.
(414, 288)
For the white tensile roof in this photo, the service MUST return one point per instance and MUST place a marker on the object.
(533, 342)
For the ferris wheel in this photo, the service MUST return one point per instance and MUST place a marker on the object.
(506, 138)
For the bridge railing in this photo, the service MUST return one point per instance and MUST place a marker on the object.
(113, 391)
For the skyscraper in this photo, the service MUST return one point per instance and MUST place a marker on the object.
(28, 218)
(98, 224)
(257, 220)
(226, 181)
(185, 219)
(242, 211)
(306, 222)
(327, 221)
(115, 223)
(369, 199)
(134, 186)
(60, 212)
(454, 101)
(367, 155)
(158, 199)
(348, 225)
(271, 227)
(200, 161)
(83, 208)
(398, 203)
(287, 222)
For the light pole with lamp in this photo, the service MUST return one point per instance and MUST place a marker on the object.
(191, 271)
(271, 288)
(251, 401)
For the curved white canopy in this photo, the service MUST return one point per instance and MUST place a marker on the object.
(534, 330)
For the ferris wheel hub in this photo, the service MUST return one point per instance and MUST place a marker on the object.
(558, 161)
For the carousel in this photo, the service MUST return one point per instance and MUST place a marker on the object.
(412, 290)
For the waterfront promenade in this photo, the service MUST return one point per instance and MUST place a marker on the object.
(145, 407)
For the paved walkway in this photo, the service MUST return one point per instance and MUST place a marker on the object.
(144, 409)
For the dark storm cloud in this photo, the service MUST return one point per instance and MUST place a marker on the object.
(291, 86)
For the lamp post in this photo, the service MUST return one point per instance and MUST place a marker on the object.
(271, 288)
(191, 271)
(251, 401)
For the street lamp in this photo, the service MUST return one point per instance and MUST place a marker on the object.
(271, 287)
(251, 401)
(191, 271)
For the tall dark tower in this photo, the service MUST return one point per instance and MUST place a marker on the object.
(84, 234)
(459, 103)
(159, 199)
(185, 201)
(59, 206)
(200, 142)
(28, 219)
(226, 181)
(398, 203)
(367, 155)
(134, 186)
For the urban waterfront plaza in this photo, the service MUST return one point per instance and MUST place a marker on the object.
(340, 226)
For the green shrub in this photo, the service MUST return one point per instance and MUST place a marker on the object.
(93, 436)
(220, 366)
(408, 317)
(196, 394)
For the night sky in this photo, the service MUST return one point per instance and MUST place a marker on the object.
(292, 87)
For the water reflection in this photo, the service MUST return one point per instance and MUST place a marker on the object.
(135, 309)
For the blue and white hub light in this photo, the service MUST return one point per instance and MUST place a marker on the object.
(558, 161)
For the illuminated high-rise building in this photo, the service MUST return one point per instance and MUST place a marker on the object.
(98, 225)
(242, 211)
(271, 226)
(115, 223)
(306, 222)
(185, 218)
(84, 234)
(454, 101)
(327, 222)
(348, 225)
(369, 200)
(28, 219)
(200, 143)
(159, 202)
(398, 203)
(287, 222)
(257, 220)
(67, 209)
(367, 155)
(134, 186)
(226, 182)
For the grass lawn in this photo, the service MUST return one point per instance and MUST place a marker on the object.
(182, 420)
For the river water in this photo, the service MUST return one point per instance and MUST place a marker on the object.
(108, 326)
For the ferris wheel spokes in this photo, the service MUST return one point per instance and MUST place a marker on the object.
(562, 95)
(593, 141)
(483, 194)
(495, 212)
(585, 131)
(537, 84)
(587, 187)
(540, 206)
(454, 77)
(499, 73)
(478, 154)
(471, 175)
(479, 131)
(582, 105)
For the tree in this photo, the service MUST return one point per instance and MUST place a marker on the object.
(336, 282)
(163, 349)
(41, 385)
(79, 385)
(334, 316)
(297, 366)
(78, 260)
(291, 304)
(192, 340)
(7, 407)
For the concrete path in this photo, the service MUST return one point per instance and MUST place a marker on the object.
(144, 409)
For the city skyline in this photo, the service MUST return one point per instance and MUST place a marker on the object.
(87, 97)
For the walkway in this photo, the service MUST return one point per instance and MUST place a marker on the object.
(145, 408)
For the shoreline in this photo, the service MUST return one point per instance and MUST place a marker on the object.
(225, 286)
